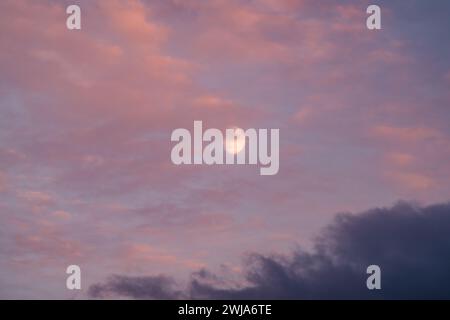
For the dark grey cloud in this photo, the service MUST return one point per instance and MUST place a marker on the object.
(411, 244)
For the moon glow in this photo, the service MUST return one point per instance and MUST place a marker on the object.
(237, 143)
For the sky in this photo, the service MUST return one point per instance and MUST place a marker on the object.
(86, 118)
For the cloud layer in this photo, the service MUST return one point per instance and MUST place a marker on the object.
(409, 243)
(86, 118)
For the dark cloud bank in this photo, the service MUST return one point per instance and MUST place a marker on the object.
(411, 244)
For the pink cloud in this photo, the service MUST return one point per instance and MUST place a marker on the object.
(412, 180)
(131, 20)
(37, 198)
(406, 134)
(45, 239)
(400, 159)
(61, 214)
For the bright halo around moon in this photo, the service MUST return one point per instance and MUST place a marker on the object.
(234, 146)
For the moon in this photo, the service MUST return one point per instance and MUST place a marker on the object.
(236, 146)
